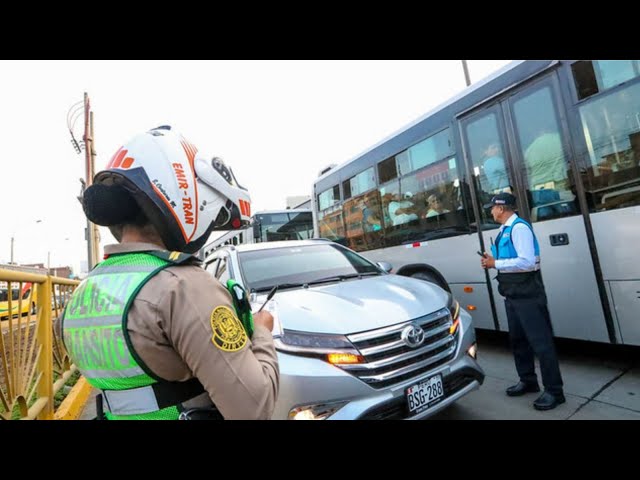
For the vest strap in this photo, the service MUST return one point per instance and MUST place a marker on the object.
(136, 401)
(130, 402)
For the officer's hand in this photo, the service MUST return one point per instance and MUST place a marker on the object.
(487, 261)
(264, 319)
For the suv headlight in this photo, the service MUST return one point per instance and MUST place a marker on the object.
(335, 349)
(315, 412)
(454, 310)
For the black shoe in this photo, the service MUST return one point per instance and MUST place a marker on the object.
(548, 400)
(521, 388)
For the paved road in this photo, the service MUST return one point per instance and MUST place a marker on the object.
(602, 382)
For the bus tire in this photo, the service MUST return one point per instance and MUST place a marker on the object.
(429, 277)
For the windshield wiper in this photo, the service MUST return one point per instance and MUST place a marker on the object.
(339, 278)
(280, 286)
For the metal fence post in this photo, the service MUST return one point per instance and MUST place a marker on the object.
(45, 358)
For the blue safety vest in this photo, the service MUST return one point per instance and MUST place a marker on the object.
(504, 247)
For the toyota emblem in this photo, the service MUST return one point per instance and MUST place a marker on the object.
(413, 336)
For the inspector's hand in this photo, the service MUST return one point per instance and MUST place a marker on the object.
(264, 319)
(488, 261)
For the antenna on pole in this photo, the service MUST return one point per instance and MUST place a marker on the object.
(467, 78)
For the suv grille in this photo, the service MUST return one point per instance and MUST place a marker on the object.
(389, 360)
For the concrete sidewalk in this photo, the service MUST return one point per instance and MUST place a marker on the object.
(601, 382)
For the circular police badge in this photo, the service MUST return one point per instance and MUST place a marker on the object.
(228, 332)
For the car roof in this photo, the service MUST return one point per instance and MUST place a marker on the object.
(251, 247)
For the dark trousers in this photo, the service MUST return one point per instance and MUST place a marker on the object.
(530, 334)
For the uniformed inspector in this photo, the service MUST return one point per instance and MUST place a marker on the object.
(516, 256)
(149, 327)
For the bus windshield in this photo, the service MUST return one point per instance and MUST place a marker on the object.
(269, 227)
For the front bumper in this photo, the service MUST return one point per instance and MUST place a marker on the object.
(311, 381)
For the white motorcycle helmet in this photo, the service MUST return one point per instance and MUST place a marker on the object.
(183, 193)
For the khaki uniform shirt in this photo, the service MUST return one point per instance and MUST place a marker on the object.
(170, 326)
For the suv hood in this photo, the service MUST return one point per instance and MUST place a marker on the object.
(357, 305)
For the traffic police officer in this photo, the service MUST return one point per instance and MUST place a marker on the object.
(149, 327)
(516, 256)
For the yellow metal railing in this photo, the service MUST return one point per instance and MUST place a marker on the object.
(32, 353)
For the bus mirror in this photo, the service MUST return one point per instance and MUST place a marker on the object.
(386, 266)
(256, 229)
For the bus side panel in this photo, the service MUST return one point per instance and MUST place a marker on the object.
(454, 257)
(479, 298)
(626, 299)
(617, 236)
(616, 323)
(570, 281)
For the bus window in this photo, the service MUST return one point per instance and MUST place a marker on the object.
(611, 127)
(4, 294)
(329, 197)
(595, 76)
(346, 189)
(387, 170)
(486, 151)
(22, 293)
(330, 225)
(363, 221)
(546, 167)
(362, 182)
(429, 151)
(427, 199)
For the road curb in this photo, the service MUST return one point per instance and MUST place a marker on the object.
(72, 406)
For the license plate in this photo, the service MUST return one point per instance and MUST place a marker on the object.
(424, 394)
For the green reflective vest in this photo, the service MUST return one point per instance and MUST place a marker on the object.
(94, 326)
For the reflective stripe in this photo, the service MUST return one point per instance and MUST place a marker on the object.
(125, 269)
(93, 321)
(131, 402)
(123, 373)
(535, 269)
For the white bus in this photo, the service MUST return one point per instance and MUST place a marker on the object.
(564, 137)
(268, 226)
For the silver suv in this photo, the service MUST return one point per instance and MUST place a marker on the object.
(354, 341)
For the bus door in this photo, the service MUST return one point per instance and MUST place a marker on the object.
(519, 144)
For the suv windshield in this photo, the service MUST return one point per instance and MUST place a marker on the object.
(302, 265)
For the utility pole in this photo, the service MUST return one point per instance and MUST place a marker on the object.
(467, 78)
(95, 233)
(93, 236)
(11, 262)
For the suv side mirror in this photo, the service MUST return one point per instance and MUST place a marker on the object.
(386, 266)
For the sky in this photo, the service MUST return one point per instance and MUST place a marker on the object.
(276, 123)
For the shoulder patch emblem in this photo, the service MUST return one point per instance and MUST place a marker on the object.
(228, 332)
